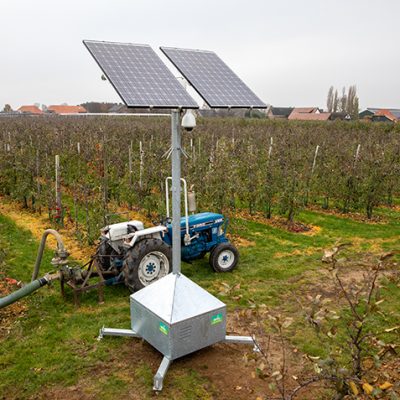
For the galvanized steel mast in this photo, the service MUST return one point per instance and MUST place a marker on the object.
(176, 191)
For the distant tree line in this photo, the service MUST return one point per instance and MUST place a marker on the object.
(346, 102)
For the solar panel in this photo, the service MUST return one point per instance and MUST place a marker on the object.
(139, 76)
(215, 82)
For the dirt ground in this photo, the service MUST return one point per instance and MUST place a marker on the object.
(231, 371)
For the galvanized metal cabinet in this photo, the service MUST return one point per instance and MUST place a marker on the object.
(177, 317)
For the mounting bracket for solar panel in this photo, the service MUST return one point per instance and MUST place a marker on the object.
(168, 153)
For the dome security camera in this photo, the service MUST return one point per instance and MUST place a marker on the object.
(188, 121)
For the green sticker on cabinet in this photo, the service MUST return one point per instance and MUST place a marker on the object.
(164, 328)
(216, 319)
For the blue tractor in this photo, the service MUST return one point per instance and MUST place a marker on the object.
(140, 256)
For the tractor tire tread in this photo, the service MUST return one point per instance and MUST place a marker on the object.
(135, 255)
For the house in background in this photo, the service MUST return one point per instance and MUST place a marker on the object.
(64, 109)
(384, 116)
(308, 114)
(380, 114)
(367, 113)
(279, 112)
(306, 110)
(30, 110)
(342, 116)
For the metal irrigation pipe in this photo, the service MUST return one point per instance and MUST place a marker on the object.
(61, 251)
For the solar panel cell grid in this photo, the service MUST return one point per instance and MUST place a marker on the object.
(216, 83)
(139, 76)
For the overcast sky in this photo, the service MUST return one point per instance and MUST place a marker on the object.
(289, 52)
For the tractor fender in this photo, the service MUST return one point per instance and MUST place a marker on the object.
(155, 232)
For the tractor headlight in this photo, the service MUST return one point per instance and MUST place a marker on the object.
(220, 231)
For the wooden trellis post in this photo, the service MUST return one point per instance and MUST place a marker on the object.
(271, 143)
(130, 171)
(315, 159)
(141, 169)
(59, 211)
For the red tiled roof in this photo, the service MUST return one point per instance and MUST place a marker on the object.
(385, 113)
(324, 116)
(30, 110)
(308, 110)
(66, 109)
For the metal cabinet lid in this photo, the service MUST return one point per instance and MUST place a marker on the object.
(176, 298)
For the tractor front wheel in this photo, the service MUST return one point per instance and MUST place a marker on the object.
(224, 257)
(148, 261)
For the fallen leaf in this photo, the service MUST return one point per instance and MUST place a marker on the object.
(392, 329)
(261, 366)
(385, 385)
(368, 389)
(353, 388)
(288, 321)
(317, 369)
(277, 375)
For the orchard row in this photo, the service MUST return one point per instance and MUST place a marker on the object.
(274, 167)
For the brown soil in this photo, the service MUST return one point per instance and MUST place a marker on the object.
(352, 270)
(230, 371)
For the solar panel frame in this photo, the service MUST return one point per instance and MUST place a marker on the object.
(208, 75)
(139, 76)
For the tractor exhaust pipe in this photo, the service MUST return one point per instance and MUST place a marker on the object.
(192, 200)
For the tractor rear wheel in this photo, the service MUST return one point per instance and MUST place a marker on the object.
(224, 257)
(148, 261)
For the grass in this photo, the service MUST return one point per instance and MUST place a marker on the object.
(53, 345)
(279, 255)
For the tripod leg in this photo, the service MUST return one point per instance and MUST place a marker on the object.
(159, 376)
